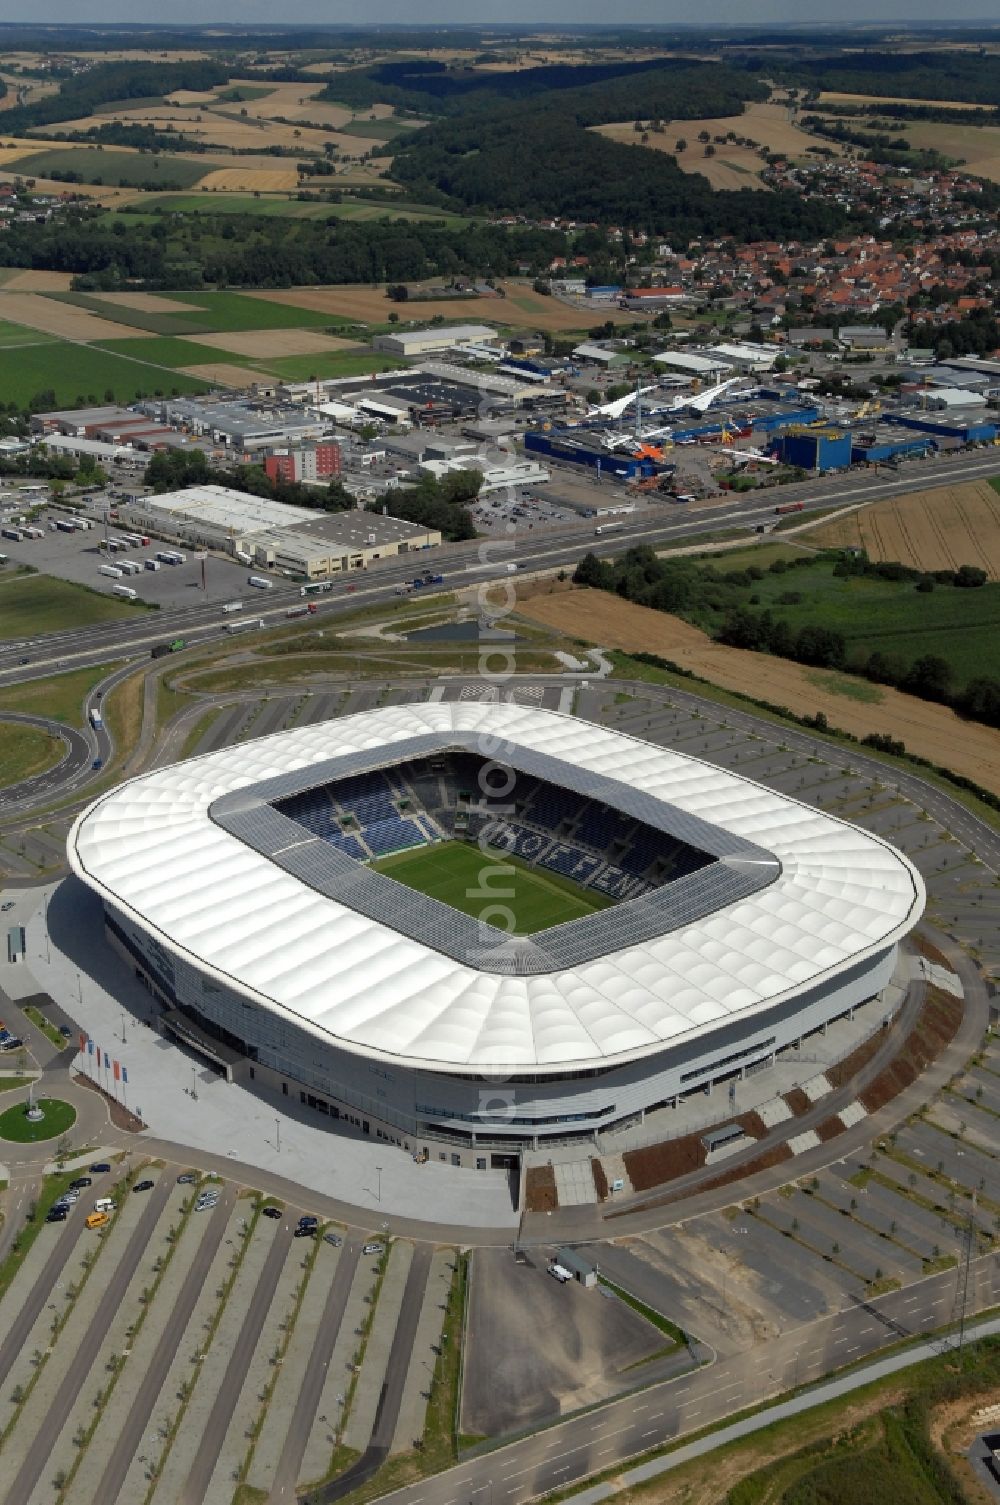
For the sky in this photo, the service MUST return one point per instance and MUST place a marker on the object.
(431, 12)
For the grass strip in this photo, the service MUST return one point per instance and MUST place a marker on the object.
(656, 1319)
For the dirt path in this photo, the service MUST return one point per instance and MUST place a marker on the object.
(932, 731)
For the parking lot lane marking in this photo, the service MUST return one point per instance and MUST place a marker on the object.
(653, 1432)
(855, 1348)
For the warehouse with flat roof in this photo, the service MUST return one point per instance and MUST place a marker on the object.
(274, 535)
(413, 342)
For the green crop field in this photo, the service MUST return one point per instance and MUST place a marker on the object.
(12, 335)
(962, 626)
(210, 313)
(379, 130)
(167, 350)
(74, 371)
(453, 872)
(270, 205)
(118, 169)
(52, 605)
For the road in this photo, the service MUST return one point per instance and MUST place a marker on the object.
(20, 1490)
(598, 1440)
(131, 1434)
(473, 562)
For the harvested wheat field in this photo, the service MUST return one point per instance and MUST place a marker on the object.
(264, 343)
(930, 730)
(37, 282)
(222, 375)
(371, 306)
(976, 146)
(830, 97)
(522, 306)
(292, 101)
(930, 530)
(247, 180)
(61, 318)
(732, 166)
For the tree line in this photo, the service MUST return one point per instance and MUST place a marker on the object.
(699, 592)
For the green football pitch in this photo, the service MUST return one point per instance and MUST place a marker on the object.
(456, 872)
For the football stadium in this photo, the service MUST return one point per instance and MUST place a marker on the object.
(473, 928)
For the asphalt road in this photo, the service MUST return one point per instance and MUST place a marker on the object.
(314, 1378)
(217, 1425)
(475, 561)
(602, 1439)
(20, 1490)
(131, 1434)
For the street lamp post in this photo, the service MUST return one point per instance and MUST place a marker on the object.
(194, 1091)
(123, 1026)
(277, 1131)
(378, 1189)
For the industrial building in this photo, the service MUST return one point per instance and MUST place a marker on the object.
(241, 427)
(410, 344)
(240, 887)
(311, 464)
(272, 535)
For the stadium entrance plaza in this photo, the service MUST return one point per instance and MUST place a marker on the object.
(183, 1100)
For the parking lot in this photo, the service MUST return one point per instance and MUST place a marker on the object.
(78, 557)
(199, 1337)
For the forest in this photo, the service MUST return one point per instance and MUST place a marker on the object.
(230, 250)
(546, 165)
(973, 77)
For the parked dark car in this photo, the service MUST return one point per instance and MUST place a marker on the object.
(80, 1183)
(143, 1186)
(304, 1233)
(56, 1215)
(101, 1166)
(271, 1212)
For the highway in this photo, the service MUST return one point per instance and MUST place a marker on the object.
(473, 562)
(595, 1441)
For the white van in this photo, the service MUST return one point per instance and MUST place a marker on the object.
(105, 1204)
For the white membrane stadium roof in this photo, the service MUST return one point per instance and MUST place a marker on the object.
(150, 848)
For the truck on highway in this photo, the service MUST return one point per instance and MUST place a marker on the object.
(96, 721)
(301, 611)
(245, 624)
(791, 507)
(606, 528)
(316, 588)
(160, 650)
(232, 606)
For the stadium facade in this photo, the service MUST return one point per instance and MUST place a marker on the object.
(240, 888)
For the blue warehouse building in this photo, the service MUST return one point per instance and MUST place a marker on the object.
(816, 449)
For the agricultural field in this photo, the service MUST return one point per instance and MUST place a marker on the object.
(831, 97)
(74, 371)
(63, 320)
(522, 306)
(13, 335)
(930, 530)
(203, 313)
(977, 146)
(733, 166)
(452, 873)
(121, 168)
(932, 731)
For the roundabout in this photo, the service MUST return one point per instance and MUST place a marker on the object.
(37, 1120)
